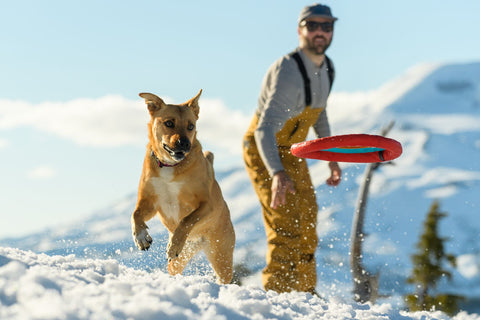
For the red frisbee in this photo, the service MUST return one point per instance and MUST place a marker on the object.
(360, 148)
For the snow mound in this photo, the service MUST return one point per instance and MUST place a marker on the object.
(34, 286)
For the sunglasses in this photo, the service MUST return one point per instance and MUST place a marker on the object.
(313, 25)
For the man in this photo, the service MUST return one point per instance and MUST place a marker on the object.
(293, 98)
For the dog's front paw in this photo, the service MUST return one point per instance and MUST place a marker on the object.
(173, 250)
(142, 239)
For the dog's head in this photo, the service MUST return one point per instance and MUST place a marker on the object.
(172, 128)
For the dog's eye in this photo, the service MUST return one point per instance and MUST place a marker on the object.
(169, 124)
(190, 126)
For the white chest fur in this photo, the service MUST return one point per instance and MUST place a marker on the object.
(167, 191)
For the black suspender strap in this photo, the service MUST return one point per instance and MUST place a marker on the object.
(306, 80)
(330, 71)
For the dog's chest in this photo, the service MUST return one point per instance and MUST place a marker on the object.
(167, 191)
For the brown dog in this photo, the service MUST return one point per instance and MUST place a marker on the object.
(178, 184)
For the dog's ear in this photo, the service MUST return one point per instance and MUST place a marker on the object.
(193, 103)
(153, 102)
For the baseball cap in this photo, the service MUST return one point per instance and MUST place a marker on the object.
(316, 10)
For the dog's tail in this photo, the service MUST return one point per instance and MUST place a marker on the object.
(209, 156)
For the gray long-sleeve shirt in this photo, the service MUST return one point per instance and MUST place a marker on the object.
(282, 97)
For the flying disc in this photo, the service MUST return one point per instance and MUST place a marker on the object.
(360, 148)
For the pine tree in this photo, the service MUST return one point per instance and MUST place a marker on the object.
(428, 268)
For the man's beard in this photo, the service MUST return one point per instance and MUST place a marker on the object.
(317, 48)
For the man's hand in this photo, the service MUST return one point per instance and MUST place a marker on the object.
(335, 175)
(281, 183)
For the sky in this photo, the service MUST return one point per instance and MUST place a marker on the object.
(72, 127)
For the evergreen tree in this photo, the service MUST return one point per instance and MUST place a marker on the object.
(428, 268)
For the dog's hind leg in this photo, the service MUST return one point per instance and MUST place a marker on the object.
(219, 251)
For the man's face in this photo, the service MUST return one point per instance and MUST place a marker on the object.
(315, 35)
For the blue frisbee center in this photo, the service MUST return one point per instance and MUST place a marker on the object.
(354, 150)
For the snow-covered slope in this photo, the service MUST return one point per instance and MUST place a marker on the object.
(436, 110)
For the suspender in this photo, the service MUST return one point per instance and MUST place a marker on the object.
(306, 81)
(330, 71)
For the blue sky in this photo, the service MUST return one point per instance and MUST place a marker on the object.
(71, 122)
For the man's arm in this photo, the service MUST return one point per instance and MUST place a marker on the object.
(281, 99)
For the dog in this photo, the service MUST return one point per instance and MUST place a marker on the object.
(178, 184)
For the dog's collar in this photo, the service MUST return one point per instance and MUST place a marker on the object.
(160, 163)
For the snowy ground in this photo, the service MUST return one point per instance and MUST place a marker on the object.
(38, 286)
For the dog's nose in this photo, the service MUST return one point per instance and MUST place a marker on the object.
(183, 144)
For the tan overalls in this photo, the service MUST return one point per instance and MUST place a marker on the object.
(290, 229)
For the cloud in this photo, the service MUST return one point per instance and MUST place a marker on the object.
(4, 143)
(112, 121)
(106, 121)
(41, 172)
(220, 127)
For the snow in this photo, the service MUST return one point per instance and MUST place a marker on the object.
(90, 269)
(445, 124)
(468, 265)
(39, 286)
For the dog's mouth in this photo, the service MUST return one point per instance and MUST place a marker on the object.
(176, 154)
